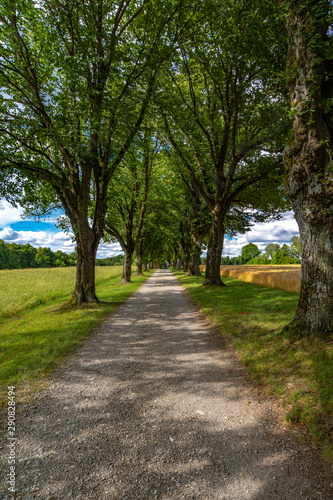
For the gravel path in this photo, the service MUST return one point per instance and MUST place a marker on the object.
(155, 406)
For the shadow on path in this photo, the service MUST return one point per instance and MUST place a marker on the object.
(155, 406)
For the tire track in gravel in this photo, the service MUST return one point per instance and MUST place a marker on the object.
(156, 406)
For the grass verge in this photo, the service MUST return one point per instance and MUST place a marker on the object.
(300, 372)
(32, 345)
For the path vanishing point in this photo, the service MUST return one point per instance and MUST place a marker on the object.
(156, 406)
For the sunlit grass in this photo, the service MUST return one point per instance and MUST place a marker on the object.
(299, 372)
(32, 345)
(24, 289)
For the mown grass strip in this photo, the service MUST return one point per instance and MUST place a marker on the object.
(32, 345)
(299, 372)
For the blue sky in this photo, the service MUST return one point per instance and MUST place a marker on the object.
(13, 229)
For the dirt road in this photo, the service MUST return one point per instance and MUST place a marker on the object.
(155, 406)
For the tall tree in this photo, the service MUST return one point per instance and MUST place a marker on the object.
(76, 78)
(223, 107)
(308, 157)
(128, 192)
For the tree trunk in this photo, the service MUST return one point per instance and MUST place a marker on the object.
(309, 179)
(139, 250)
(194, 269)
(127, 269)
(139, 265)
(186, 264)
(179, 263)
(214, 250)
(86, 248)
(314, 312)
(145, 266)
(194, 265)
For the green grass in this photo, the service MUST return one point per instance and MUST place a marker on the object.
(34, 343)
(299, 372)
(24, 289)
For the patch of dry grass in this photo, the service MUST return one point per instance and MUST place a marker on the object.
(282, 277)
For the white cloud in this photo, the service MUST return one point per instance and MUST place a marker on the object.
(108, 250)
(263, 233)
(9, 214)
(57, 241)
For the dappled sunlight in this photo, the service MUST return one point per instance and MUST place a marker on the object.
(156, 395)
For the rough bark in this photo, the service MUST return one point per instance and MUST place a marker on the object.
(309, 179)
(197, 232)
(186, 265)
(139, 266)
(86, 248)
(85, 274)
(214, 251)
(127, 269)
(194, 269)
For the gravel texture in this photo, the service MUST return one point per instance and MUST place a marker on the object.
(156, 406)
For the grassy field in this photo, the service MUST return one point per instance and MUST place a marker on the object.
(299, 372)
(36, 333)
(24, 289)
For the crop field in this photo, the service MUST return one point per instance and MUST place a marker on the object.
(286, 278)
(38, 329)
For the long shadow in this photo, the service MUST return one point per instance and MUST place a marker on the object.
(155, 406)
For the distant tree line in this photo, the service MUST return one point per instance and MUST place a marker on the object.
(117, 260)
(273, 254)
(16, 256)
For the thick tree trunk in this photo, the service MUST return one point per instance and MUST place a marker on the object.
(214, 251)
(179, 263)
(309, 179)
(194, 265)
(186, 265)
(139, 264)
(86, 248)
(314, 312)
(194, 269)
(139, 250)
(127, 269)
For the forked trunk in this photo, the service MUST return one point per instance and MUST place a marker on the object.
(214, 251)
(127, 269)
